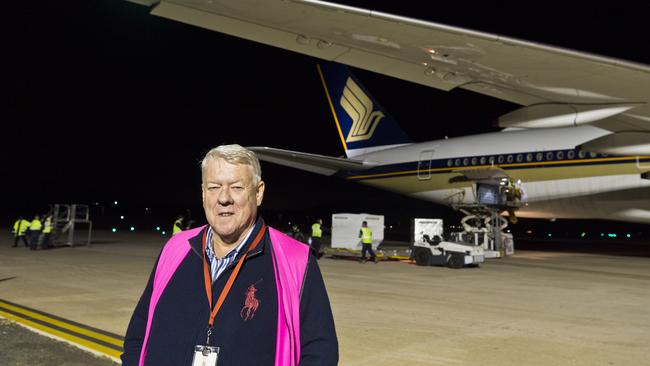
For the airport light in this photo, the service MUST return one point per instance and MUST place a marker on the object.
(157, 228)
(114, 230)
(121, 217)
(164, 232)
(628, 235)
(611, 235)
(550, 235)
(583, 234)
(132, 228)
(115, 203)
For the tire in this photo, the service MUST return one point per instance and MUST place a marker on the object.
(422, 256)
(456, 261)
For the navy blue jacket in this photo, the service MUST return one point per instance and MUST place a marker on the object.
(181, 318)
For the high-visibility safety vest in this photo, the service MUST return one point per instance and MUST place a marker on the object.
(48, 226)
(316, 232)
(290, 259)
(177, 227)
(20, 226)
(366, 235)
(35, 225)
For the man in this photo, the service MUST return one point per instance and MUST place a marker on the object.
(47, 233)
(34, 232)
(316, 234)
(366, 243)
(236, 290)
(20, 227)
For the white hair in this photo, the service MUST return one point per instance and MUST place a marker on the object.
(234, 154)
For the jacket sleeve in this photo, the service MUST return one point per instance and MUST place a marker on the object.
(318, 343)
(137, 326)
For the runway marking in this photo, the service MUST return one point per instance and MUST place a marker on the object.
(83, 335)
(589, 271)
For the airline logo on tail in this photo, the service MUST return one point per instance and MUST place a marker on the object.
(360, 109)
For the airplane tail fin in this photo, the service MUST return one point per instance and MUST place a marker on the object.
(363, 125)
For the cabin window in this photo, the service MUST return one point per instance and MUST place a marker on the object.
(520, 158)
(582, 154)
(593, 154)
(539, 156)
(529, 157)
(450, 162)
(500, 159)
(474, 161)
(457, 162)
(465, 161)
(491, 160)
(483, 159)
(549, 155)
(570, 154)
(510, 158)
(560, 155)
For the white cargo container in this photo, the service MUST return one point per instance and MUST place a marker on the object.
(430, 227)
(346, 227)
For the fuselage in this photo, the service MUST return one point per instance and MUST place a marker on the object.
(559, 181)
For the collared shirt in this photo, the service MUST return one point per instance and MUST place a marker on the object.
(218, 265)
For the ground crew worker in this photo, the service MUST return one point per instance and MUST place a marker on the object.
(295, 233)
(178, 225)
(47, 232)
(20, 227)
(34, 232)
(316, 234)
(366, 243)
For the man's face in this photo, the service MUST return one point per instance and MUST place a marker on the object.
(230, 199)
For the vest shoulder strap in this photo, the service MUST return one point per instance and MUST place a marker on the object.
(170, 259)
(290, 258)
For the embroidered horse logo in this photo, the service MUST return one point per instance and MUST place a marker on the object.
(251, 303)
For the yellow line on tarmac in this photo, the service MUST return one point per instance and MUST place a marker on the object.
(80, 341)
(62, 324)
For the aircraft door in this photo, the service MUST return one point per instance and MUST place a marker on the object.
(424, 164)
(640, 165)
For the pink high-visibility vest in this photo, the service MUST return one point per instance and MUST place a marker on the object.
(290, 258)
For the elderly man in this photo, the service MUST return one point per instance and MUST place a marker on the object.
(235, 291)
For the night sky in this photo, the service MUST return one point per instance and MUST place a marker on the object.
(102, 101)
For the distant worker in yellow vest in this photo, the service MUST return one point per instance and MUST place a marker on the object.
(178, 225)
(34, 232)
(47, 232)
(366, 243)
(20, 228)
(316, 235)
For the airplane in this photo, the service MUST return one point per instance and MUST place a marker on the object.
(580, 141)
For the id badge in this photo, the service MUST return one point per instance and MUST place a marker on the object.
(205, 356)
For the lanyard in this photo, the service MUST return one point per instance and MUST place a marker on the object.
(208, 278)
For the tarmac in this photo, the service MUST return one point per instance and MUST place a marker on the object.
(535, 308)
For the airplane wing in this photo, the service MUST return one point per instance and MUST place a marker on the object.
(557, 87)
(321, 164)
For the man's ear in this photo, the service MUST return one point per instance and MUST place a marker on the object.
(259, 194)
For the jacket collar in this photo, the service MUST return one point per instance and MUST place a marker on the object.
(197, 246)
